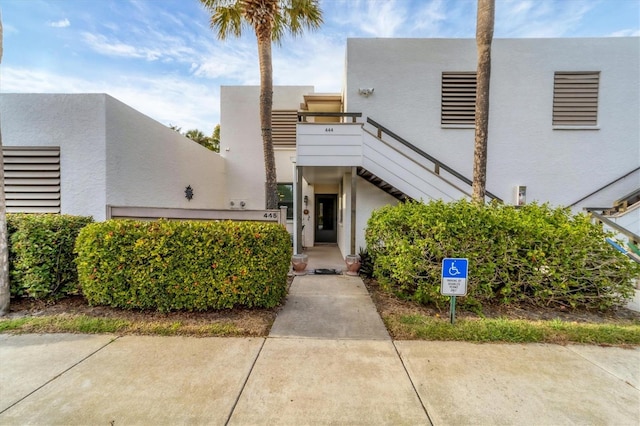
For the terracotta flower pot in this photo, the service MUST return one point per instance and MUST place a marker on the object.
(353, 264)
(299, 263)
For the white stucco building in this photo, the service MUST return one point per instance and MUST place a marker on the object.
(564, 128)
(79, 153)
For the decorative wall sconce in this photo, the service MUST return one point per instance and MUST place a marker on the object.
(188, 193)
(366, 92)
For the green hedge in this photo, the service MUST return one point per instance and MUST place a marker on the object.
(189, 265)
(535, 254)
(41, 254)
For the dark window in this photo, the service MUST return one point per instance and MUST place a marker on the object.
(285, 196)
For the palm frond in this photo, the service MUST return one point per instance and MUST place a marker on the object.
(226, 17)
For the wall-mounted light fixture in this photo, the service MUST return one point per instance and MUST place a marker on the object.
(237, 204)
(366, 92)
(306, 200)
(521, 195)
(188, 193)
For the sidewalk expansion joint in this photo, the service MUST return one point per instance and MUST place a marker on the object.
(411, 381)
(244, 384)
(61, 373)
(611, 373)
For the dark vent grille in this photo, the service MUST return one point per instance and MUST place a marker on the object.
(575, 98)
(458, 98)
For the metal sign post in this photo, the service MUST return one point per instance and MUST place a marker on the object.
(454, 281)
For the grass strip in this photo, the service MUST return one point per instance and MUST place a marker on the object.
(503, 330)
(96, 325)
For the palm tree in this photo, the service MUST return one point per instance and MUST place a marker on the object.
(215, 138)
(200, 138)
(5, 293)
(484, 37)
(269, 19)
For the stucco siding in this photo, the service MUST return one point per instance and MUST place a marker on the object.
(559, 166)
(150, 165)
(241, 140)
(75, 123)
(113, 154)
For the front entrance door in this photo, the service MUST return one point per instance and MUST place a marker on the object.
(326, 218)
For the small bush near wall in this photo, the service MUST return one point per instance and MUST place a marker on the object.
(42, 262)
(190, 265)
(535, 254)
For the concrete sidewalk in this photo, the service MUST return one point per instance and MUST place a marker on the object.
(328, 360)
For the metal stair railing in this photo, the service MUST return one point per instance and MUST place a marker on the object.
(437, 163)
(620, 229)
(605, 186)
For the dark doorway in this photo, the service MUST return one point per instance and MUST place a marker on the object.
(326, 218)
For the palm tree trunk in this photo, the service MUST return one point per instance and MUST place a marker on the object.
(5, 293)
(484, 37)
(266, 105)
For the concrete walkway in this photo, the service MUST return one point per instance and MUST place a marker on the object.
(328, 360)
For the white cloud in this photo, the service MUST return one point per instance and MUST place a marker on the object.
(232, 59)
(369, 18)
(429, 17)
(63, 23)
(102, 45)
(167, 99)
(542, 18)
(316, 60)
(625, 33)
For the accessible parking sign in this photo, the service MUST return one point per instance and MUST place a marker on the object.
(454, 277)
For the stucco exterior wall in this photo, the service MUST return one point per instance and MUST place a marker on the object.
(559, 166)
(150, 165)
(368, 199)
(241, 140)
(113, 154)
(75, 123)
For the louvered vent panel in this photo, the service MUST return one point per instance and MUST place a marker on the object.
(32, 179)
(283, 124)
(575, 98)
(458, 98)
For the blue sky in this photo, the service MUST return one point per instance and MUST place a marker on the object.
(161, 57)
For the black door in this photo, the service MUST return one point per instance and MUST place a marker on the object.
(326, 219)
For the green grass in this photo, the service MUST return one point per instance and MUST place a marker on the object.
(93, 325)
(512, 331)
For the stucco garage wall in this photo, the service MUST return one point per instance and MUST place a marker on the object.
(559, 166)
(150, 165)
(241, 140)
(75, 123)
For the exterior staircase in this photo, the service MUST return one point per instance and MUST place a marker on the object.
(381, 157)
(624, 220)
(386, 187)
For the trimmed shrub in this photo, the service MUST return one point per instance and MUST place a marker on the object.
(41, 257)
(187, 265)
(534, 254)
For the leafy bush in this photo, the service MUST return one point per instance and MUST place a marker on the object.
(41, 254)
(183, 265)
(534, 254)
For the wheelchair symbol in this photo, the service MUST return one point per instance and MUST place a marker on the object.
(453, 271)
